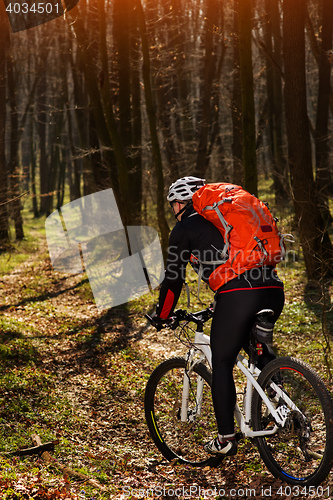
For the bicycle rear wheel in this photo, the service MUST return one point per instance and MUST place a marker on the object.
(300, 452)
(163, 398)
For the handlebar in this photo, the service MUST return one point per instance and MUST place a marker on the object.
(199, 318)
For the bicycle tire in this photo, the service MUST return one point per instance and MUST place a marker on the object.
(176, 440)
(300, 452)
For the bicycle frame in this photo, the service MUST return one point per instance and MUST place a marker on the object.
(295, 445)
(202, 345)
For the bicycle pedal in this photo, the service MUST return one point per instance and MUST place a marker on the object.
(238, 436)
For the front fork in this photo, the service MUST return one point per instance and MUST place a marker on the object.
(187, 415)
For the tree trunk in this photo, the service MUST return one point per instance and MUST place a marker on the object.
(316, 244)
(14, 173)
(174, 160)
(323, 174)
(236, 108)
(272, 38)
(135, 187)
(209, 70)
(83, 125)
(125, 35)
(33, 169)
(151, 112)
(181, 54)
(4, 47)
(248, 110)
(74, 177)
(171, 87)
(41, 126)
(121, 23)
(104, 117)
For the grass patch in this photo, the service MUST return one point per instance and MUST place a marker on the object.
(15, 252)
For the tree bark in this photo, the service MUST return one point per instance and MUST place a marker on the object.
(4, 47)
(316, 244)
(236, 108)
(14, 173)
(135, 187)
(323, 174)
(170, 84)
(248, 109)
(178, 42)
(272, 39)
(151, 112)
(104, 117)
(33, 170)
(41, 126)
(127, 50)
(209, 71)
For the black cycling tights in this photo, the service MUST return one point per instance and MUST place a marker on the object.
(234, 316)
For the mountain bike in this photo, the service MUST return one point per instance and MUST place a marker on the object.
(286, 409)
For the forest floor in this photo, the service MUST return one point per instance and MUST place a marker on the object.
(77, 376)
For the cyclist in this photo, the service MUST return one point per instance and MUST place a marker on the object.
(236, 302)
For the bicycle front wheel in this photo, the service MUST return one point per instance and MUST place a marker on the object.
(175, 439)
(301, 451)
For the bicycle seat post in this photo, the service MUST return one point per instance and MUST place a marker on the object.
(253, 353)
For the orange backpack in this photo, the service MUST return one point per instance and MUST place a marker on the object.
(251, 236)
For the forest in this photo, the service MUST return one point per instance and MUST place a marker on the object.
(131, 95)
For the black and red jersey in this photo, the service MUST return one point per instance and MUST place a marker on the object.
(195, 239)
(192, 238)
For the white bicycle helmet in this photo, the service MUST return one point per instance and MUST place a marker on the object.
(183, 189)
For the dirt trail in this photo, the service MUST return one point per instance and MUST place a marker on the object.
(102, 362)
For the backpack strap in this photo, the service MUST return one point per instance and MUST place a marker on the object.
(201, 264)
(262, 249)
(285, 237)
(227, 227)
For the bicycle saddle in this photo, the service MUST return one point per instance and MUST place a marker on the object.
(265, 312)
(264, 326)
